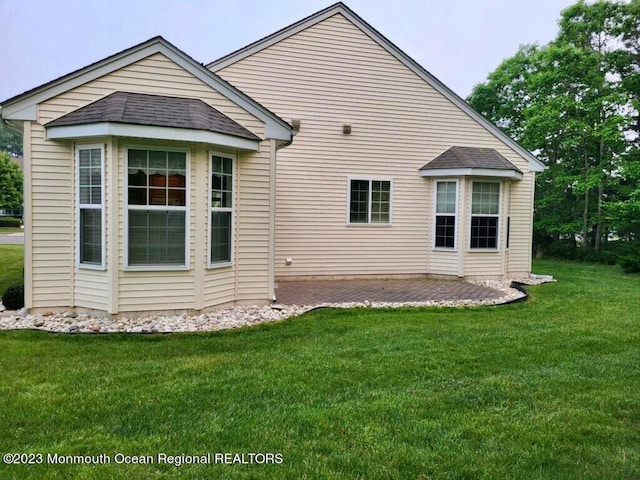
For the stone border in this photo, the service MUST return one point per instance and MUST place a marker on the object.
(238, 317)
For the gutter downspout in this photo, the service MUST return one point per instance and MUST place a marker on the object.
(14, 127)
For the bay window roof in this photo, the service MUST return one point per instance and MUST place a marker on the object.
(460, 161)
(152, 116)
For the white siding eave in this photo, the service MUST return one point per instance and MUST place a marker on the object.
(152, 132)
(476, 172)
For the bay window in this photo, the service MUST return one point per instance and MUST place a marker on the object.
(90, 206)
(485, 213)
(446, 210)
(221, 210)
(157, 197)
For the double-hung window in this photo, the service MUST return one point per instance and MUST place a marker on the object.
(485, 214)
(446, 210)
(221, 210)
(157, 197)
(370, 201)
(90, 211)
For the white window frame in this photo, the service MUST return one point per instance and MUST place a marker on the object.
(369, 223)
(454, 215)
(210, 209)
(186, 209)
(84, 206)
(493, 215)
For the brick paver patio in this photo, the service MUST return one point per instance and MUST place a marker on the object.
(313, 292)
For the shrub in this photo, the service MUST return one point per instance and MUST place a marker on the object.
(629, 257)
(10, 222)
(13, 298)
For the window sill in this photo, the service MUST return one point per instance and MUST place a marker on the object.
(88, 266)
(484, 250)
(214, 266)
(445, 249)
(377, 225)
(156, 268)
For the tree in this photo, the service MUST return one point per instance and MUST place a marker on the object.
(10, 183)
(574, 102)
(10, 141)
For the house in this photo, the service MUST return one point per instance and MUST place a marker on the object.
(321, 151)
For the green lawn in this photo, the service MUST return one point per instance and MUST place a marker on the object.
(545, 389)
(11, 266)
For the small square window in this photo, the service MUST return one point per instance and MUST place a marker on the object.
(370, 201)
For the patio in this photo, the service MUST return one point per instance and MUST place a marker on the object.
(317, 292)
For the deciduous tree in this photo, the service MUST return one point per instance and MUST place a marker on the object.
(574, 102)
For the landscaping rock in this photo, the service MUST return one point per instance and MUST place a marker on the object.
(238, 317)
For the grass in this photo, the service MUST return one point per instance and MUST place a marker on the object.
(545, 389)
(11, 266)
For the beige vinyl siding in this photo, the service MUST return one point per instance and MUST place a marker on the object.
(155, 291)
(219, 285)
(91, 289)
(52, 211)
(521, 236)
(332, 74)
(252, 225)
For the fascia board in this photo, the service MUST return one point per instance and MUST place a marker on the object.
(476, 172)
(147, 131)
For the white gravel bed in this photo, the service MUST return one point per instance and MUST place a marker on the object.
(71, 322)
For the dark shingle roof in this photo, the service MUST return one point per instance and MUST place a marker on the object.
(154, 110)
(470, 157)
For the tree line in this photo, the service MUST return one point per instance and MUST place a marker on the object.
(574, 102)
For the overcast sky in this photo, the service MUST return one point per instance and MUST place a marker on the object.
(458, 41)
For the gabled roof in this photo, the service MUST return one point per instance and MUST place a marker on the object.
(154, 110)
(340, 8)
(23, 106)
(458, 161)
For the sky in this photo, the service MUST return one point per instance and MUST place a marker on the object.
(458, 41)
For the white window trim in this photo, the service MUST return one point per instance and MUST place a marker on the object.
(369, 223)
(498, 216)
(455, 215)
(81, 206)
(127, 207)
(234, 196)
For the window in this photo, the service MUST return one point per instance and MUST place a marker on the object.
(485, 210)
(370, 201)
(221, 209)
(157, 198)
(446, 209)
(90, 180)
